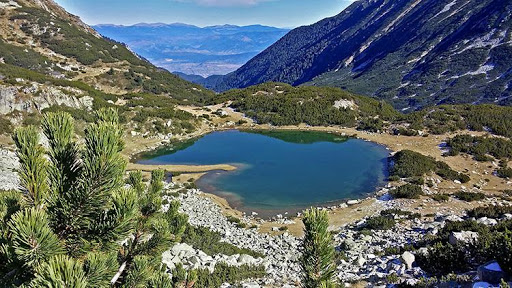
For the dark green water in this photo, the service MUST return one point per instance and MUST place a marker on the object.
(282, 171)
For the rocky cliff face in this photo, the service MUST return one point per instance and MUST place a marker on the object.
(413, 53)
(36, 98)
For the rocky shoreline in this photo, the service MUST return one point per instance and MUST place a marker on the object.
(366, 257)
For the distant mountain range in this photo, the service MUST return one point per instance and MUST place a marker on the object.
(413, 53)
(194, 50)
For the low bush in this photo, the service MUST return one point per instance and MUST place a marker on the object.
(480, 147)
(505, 172)
(458, 226)
(379, 223)
(393, 178)
(77, 114)
(494, 243)
(5, 126)
(440, 197)
(392, 279)
(490, 211)
(398, 212)
(398, 250)
(410, 164)
(407, 191)
(339, 255)
(447, 173)
(224, 273)
(233, 219)
(469, 196)
(190, 185)
(373, 125)
(236, 221)
(405, 131)
(416, 180)
(210, 243)
(443, 259)
(281, 104)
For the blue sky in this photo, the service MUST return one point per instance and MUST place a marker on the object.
(280, 13)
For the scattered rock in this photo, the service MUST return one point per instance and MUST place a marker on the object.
(8, 165)
(361, 261)
(487, 221)
(282, 252)
(463, 237)
(408, 259)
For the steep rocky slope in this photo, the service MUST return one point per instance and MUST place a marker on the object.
(413, 53)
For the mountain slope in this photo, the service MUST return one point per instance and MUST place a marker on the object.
(412, 53)
(40, 36)
(214, 50)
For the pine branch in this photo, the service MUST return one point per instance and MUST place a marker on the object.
(60, 271)
(102, 170)
(32, 239)
(33, 171)
(64, 157)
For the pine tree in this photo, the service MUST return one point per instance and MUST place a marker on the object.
(317, 260)
(75, 224)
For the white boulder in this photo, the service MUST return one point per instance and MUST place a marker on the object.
(463, 237)
(408, 259)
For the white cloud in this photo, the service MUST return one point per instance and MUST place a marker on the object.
(225, 2)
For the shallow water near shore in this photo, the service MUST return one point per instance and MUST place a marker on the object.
(281, 171)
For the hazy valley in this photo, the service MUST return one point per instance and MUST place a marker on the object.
(188, 49)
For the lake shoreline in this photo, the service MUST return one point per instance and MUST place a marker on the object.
(340, 215)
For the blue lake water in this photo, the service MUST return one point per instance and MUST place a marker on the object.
(282, 171)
